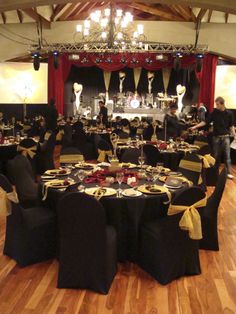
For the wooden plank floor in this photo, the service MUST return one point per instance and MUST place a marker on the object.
(33, 289)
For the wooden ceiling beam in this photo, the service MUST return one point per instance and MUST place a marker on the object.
(201, 14)
(4, 18)
(227, 6)
(69, 11)
(155, 11)
(37, 17)
(226, 18)
(58, 11)
(184, 12)
(209, 16)
(20, 16)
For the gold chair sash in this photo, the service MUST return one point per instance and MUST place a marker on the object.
(102, 154)
(47, 135)
(207, 160)
(31, 151)
(6, 199)
(200, 144)
(191, 220)
(60, 135)
(192, 166)
(71, 158)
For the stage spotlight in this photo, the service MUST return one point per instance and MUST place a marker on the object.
(56, 59)
(36, 60)
(177, 61)
(199, 61)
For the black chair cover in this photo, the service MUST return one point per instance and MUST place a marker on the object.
(189, 174)
(30, 233)
(209, 216)
(87, 246)
(131, 155)
(211, 174)
(45, 159)
(21, 174)
(153, 155)
(166, 251)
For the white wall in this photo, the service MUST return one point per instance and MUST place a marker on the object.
(220, 37)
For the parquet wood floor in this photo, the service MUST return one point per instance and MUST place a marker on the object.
(33, 289)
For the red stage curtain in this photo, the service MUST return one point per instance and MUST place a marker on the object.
(115, 62)
(207, 81)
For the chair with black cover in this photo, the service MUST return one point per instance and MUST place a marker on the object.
(21, 175)
(104, 150)
(70, 155)
(166, 251)
(45, 159)
(87, 245)
(132, 155)
(153, 155)
(191, 167)
(212, 173)
(209, 215)
(30, 233)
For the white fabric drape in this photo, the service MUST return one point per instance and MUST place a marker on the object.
(107, 78)
(5, 201)
(166, 77)
(137, 73)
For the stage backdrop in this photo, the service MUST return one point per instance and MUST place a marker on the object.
(147, 61)
(226, 84)
(19, 83)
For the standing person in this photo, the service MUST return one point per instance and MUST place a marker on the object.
(51, 116)
(223, 125)
(171, 122)
(103, 112)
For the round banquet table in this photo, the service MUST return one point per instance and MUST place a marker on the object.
(125, 214)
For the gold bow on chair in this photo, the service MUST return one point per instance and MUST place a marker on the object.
(6, 199)
(30, 151)
(102, 154)
(191, 220)
(207, 160)
(192, 166)
(47, 135)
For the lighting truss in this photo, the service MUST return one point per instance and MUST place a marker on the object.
(101, 47)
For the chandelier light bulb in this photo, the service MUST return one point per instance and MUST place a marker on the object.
(104, 35)
(98, 13)
(104, 22)
(119, 12)
(86, 23)
(140, 29)
(119, 35)
(124, 23)
(128, 16)
(107, 12)
(117, 20)
(133, 42)
(86, 32)
(135, 35)
(79, 28)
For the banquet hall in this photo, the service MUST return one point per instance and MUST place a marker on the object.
(117, 157)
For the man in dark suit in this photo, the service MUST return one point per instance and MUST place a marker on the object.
(103, 114)
(51, 116)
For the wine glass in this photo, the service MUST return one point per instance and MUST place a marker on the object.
(159, 166)
(119, 178)
(81, 175)
(141, 161)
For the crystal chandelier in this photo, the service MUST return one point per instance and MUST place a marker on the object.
(113, 29)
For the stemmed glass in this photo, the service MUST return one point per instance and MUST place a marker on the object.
(119, 178)
(141, 161)
(159, 167)
(81, 175)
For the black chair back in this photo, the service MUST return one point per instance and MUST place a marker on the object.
(131, 155)
(189, 196)
(83, 243)
(191, 167)
(209, 216)
(153, 155)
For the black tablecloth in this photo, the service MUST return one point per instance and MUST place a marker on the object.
(126, 215)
